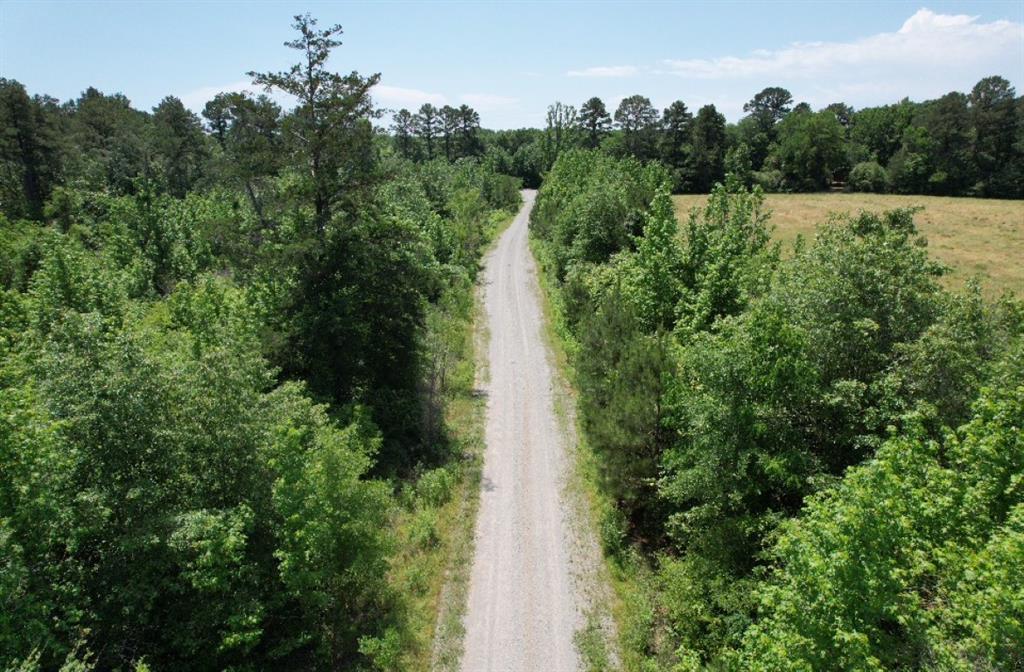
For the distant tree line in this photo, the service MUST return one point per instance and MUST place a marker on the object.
(960, 144)
(448, 132)
(227, 343)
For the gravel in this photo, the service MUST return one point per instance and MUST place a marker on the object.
(525, 600)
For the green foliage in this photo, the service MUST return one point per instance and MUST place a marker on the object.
(209, 356)
(333, 119)
(810, 150)
(180, 146)
(726, 257)
(651, 279)
(868, 176)
(22, 245)
(707, 158)
(621, 382)
(29, 156)
(638, 121)
(738, 164)
(735, 402)
(176, 473)
(594, 122)
(909, 561)
(959, 144)
(592, 206)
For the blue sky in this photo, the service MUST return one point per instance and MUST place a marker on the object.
(510, 60)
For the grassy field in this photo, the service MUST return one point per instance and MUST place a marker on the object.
(974, 236)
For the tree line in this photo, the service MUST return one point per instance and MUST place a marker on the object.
(227, 343)
(806, 462)
(960, 144)
(433, 132)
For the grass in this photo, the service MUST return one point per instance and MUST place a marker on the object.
(975, 237)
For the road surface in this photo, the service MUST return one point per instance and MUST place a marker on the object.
(524, 603)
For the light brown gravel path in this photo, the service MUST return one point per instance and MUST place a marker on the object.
(524, 602)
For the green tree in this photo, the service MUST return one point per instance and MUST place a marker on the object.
(428, 127)
(707, 158)
(560, 132)
(248, 133)
(772, 403)
(622, 406)
(638, 121)
(468, 129)
(876, 133)
(764, 112)
(403, 126)
(843, 113)
(330, 126)
(739, 165)
(652, 278)
(910, 561)
(810, 149)
(28, 151)
(994, 117)
(769, 107)
(595, 122)
(726, 256)
(868, 176)
(676, 131)
(948, 122)
(107, 146)
(179, 146)
(449, 126)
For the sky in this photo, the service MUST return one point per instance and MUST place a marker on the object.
(511, 60)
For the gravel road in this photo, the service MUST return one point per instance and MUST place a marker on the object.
(525, 603)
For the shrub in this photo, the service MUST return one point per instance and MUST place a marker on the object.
(868, 176)
(769, 180)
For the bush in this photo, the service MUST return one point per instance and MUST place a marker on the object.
(868, 176)
(769, 180)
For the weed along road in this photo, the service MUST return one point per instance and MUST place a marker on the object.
(523, 607)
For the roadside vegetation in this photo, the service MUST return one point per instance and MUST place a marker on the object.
(803, 461)
(236, 374)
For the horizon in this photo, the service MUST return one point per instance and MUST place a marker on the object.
(863, 54)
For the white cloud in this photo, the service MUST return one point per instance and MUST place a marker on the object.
(486, 102)
(605, 71)
(397, 96)
(926, 41)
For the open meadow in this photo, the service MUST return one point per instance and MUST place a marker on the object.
(974, 236)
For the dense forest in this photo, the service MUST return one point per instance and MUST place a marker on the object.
(225, 348)
(809, 462)
(960, 144)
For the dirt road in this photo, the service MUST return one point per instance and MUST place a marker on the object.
(524, 602)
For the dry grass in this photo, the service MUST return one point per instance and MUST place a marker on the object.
(974, 236)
